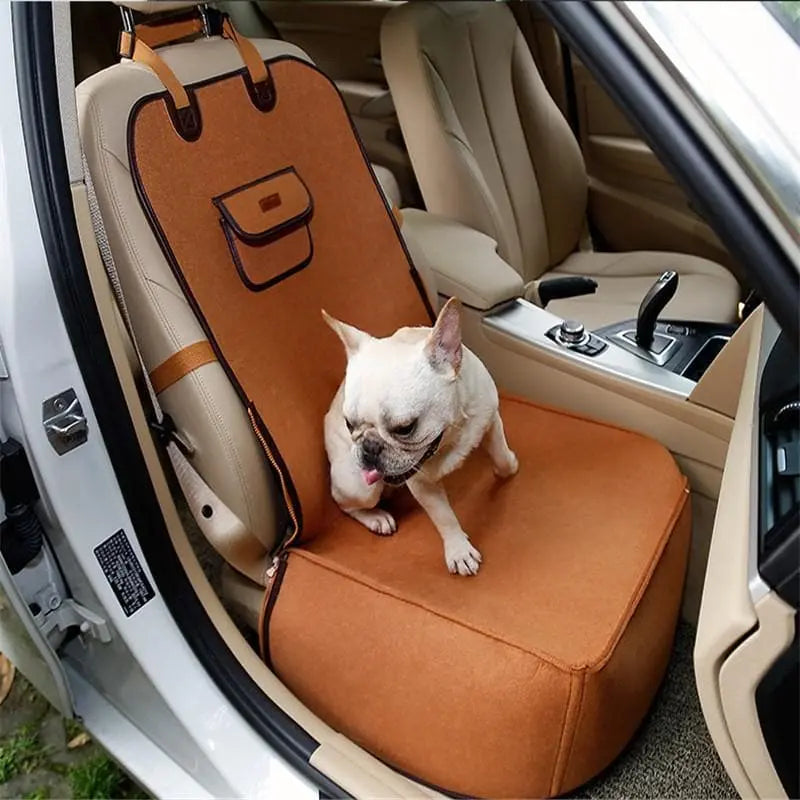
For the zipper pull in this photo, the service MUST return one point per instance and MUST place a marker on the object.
(272, 569)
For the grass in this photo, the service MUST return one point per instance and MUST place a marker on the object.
(36, 765)
(792, 9)
(100, 778)
(20, 753)
(37, 794)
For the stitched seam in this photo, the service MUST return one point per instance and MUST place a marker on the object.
(494, 142)
(166, 289)
(478, 181)
(229, 448)
(563, 758)
(318, 561)
(482, 193)
(562, 735)
(644, 582)
(427, 61)
(531, 158)
(613, 263)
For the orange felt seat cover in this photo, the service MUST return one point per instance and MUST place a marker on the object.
(259, 301)
(525, 680)
(530, 678)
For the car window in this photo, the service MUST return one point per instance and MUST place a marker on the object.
(737, 61)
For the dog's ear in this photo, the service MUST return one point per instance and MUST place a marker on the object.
(443, 346)
(352, 338)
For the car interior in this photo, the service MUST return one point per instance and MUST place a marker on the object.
(392, 155)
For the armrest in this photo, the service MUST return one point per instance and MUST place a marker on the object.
(366, 99)
(464, 262)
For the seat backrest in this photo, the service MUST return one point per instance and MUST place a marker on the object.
(204, 403)
(489, 146)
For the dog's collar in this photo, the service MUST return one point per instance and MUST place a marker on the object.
(398, 480)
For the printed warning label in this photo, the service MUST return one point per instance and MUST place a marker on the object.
(124, 572)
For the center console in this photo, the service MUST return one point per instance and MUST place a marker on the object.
(647, 348)
(686, 348)
(524, 321)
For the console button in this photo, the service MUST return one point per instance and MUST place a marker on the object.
(572, 332)
(678, 330)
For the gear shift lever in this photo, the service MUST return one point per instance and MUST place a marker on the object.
(660, 293)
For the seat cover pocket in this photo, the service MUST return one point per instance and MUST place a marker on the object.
(266, 225)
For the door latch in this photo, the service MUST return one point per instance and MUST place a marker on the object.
(64, 422)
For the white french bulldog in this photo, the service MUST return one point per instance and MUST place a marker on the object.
(410, 410)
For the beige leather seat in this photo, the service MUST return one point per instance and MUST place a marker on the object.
(203, 403)
(491, 150)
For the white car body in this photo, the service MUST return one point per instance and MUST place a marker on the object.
(144, 693)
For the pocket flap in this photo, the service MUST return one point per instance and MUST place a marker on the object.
(266, 208)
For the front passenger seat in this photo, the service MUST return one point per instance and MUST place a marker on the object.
(491, 149)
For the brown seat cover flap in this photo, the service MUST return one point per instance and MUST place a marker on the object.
(266, 218)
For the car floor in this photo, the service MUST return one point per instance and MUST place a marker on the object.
(672, 754)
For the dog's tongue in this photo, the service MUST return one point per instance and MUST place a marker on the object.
(371, 476)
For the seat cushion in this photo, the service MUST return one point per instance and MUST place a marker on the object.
(706, 291)
(529, 678)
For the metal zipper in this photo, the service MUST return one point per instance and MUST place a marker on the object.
(290, 507)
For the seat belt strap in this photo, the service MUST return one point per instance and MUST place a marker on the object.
(229, 536)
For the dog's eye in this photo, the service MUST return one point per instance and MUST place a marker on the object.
(405, 430)
(349, 424)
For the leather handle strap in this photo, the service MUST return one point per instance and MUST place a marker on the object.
(138, 45)
(247, 50)
(142, 53)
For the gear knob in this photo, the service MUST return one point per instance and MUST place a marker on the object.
(659, 294)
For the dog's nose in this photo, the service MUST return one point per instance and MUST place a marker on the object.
(371, 448)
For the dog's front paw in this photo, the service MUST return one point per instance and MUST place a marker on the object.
(376, 519)
(509, 466)
(461, 557)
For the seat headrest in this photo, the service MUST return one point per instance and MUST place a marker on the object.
(154, 6)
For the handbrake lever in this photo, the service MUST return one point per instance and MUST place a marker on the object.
(563, 287)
